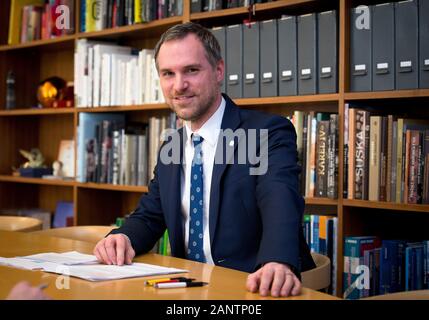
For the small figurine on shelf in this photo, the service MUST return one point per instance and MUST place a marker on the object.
(57, 167)
(34, 167)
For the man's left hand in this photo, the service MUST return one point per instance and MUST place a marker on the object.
(275, 276)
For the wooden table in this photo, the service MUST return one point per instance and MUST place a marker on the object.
(224, 283)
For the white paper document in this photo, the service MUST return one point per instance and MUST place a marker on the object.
(85, 266)
(66, 258)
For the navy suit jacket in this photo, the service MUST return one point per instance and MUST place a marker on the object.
(252, 219)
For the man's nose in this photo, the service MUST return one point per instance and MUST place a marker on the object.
(180, 83)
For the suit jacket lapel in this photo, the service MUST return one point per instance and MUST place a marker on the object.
(231, 120)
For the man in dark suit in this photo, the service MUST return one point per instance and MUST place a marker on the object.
(219, 205)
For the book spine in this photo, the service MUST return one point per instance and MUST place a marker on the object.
(374, 164)
(383, 159)
(389, 157)
(352, 148)
(393, 176)
(333, 157)
(426, 168)
(413, 167)
(407, 144)
(420, 168)
(321, 177)
(346, 151)
(359, 155)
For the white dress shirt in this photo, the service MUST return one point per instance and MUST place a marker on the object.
(210, 133)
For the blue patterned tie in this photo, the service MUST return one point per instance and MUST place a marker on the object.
(195, 244)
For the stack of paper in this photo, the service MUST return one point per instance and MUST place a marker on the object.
(85, 266)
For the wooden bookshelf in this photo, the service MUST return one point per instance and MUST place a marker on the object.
(52, 44)
(258, 8)
(321, 201)
(148, 29)
(101, 203)
(35, 111)
(105, 186)
(386, 205)
(50, 182)
(399, 94)
(153, 106)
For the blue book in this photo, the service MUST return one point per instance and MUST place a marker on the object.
(411, 265)
(426, 264)
(354, 248)
(391, 269)
(82, 16)
(314, 234)
(418, 280)
(63, 213)
(375, 271)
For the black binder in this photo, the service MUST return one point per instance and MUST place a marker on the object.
(251, 60)
(234, 58)
(360, 50)
(406, 44)
(268, 52)
(383, 47)
(220, 34)
(288, 56)
(424, 44)
(196, 6)
(307, 64)
(327, 52)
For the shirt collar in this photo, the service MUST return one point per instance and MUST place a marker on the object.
(210, 129)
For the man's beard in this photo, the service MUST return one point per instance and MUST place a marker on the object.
(199, 110)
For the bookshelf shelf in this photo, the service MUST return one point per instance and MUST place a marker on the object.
(51, 182)
(400, 94)
(275, 101)
(105, 186)
(35, 112)
(149, 29)
(386, 205)
(153, 106)
(47, 44)
(321, 201)
(259, 7)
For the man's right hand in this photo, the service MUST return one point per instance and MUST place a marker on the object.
(114, 249)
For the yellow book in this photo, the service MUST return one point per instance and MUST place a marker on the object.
(137, 11)
(90, 15)
(16, 17)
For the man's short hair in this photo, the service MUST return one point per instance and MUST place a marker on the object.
(180, 31)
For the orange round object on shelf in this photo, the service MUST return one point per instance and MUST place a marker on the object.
(49, 91)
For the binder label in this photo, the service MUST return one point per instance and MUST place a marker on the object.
(305, 72)
(287, 73)
(233, 77)
(406, 64)
(360, 67)
(427, 62)
(250, 76)
(267, 75)
(382, 66)
(326, 70)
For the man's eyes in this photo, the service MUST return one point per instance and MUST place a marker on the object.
(189, 71)
(193, 70)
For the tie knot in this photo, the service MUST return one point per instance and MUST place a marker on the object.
(196, 139)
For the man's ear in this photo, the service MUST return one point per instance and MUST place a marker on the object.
(220, 70)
